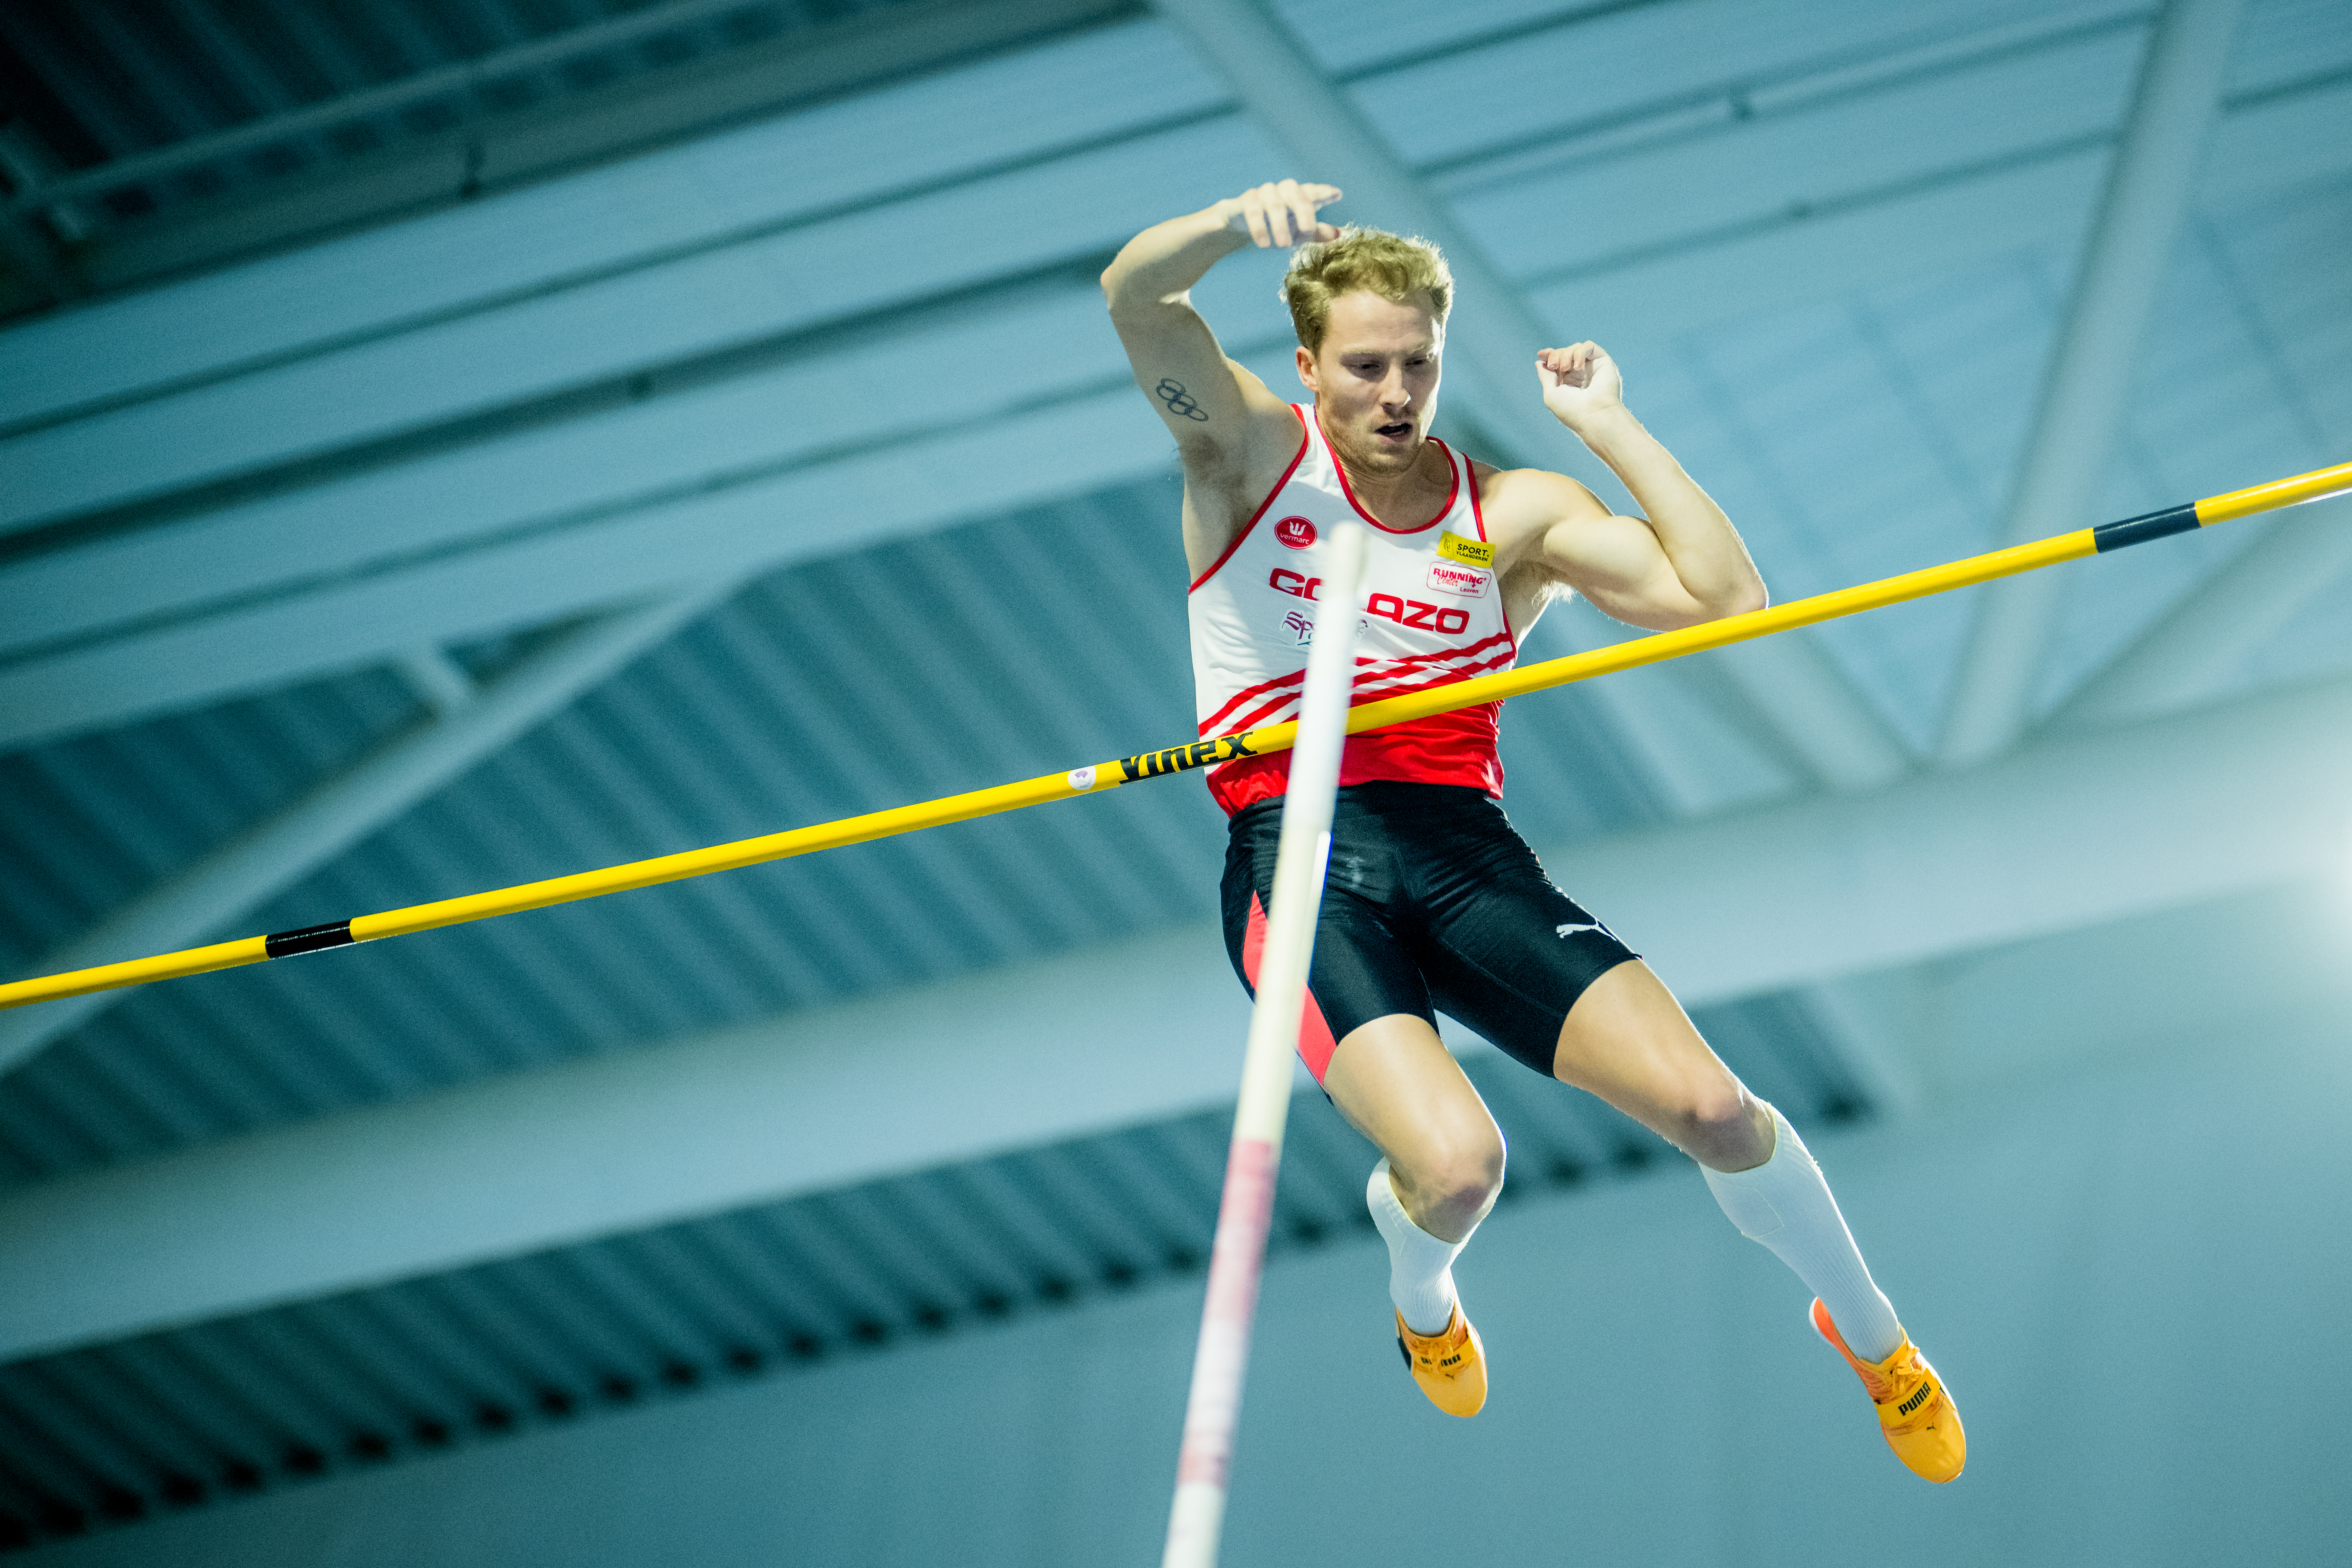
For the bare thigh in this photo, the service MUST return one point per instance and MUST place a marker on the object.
(1629, 1041)
(1398, 1084)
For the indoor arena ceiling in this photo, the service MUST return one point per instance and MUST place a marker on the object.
(447, 443)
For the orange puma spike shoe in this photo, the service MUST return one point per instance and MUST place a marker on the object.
(1451, 1367)
(1915, 1413)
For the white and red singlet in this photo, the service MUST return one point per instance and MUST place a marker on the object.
(1429, 611)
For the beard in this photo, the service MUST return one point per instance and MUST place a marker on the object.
(1363, 449)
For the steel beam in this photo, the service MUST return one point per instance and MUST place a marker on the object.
(2087, 385)
(1690, 771)
(438, 373)
(1882, 1026)
(1818, 712)
(195, 904)
(728, 533)
(2049, 840)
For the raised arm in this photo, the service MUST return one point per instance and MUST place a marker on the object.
(1678, 564)
(1224, 419)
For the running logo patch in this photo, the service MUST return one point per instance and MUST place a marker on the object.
(1447, 578)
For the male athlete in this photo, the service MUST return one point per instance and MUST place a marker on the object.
(1433, 901)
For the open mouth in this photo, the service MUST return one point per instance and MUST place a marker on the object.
(1396, 432)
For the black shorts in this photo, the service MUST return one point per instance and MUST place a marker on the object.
(1432, 901)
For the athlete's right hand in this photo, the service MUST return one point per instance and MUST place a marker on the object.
(1281, 213)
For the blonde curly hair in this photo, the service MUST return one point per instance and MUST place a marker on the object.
(1393, 266)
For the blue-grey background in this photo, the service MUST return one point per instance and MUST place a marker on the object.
(448, 443)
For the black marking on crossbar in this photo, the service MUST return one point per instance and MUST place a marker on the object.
(1177, 759)
(2172, 520)
(310, 939)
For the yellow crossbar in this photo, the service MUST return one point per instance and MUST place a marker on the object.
(1102, 776)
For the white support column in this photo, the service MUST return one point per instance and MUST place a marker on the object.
(2191, 654)
(192, 905)
(2088, 381)
(1492, 335)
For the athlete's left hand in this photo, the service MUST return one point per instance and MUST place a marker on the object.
(1579, 383)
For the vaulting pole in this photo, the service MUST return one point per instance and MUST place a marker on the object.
(1237, 1258)
(2099, 541)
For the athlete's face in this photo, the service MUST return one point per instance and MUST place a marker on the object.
(1375, 379)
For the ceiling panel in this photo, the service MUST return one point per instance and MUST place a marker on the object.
(105, 1436)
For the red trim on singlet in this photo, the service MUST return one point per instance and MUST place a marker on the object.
(1455, 748)
(1372, 684)
(1315, 1042)
(1388, 670)
(1273, 711)
(1452, 487)
(1296, 458)
(1502, 600)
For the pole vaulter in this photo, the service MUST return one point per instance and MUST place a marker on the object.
(2102, 540)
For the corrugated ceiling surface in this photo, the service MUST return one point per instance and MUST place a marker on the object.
(108, 1435)
(97, 83)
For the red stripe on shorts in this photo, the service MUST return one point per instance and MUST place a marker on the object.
(1315, 1042)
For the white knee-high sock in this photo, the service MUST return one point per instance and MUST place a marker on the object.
(1421, 1267)
(1785, 1204)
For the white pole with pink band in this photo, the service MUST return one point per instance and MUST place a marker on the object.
(1238, 1256)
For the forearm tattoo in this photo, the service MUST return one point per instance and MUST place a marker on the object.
(1180, 401)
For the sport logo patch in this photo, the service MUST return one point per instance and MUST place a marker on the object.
(1296, 532)
(1447, 578)
(1299, 626)
(1469, 552)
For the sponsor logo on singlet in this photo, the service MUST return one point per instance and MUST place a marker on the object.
(1297, 585)
(1299, 626)
(1296, 532)
(1447, 578)
(1421, 617)
(1477, 552)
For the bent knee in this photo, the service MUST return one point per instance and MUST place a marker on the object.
(1453, 1187)
(1725, 1129)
